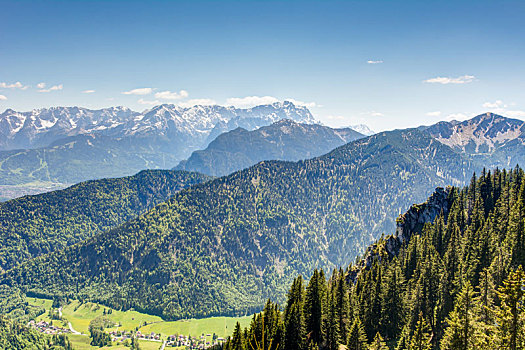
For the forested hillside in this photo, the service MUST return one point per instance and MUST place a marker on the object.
(225, 246)
(453, 280)
(14, 335)
(34, 225)
(283, 140)
(79, 158)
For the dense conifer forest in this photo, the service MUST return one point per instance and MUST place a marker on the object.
(34, 225)
(455, 283)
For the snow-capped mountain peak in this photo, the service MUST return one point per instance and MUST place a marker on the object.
(196, 124)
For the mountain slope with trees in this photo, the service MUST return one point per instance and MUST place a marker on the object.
(283, 140)
(450, 278)
(225, 246)
(35, 225)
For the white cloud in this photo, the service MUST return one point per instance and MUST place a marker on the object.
(88, 91)
(169, 95)
(197, 102)
(145, 102)
(374, 114)
(52, 88)
(303, 104)
(17, 85)
(41, 85)
(374, 62)
(250, 101)
(464, 79)
(140, 91)
(3, 98)
(501, 108)
(434, 114)
(496, 104)
(511, 114)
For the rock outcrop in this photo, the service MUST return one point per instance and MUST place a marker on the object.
(408, 224)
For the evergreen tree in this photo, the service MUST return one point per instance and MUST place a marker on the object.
(421, 339)
(315, 307)
(378, 343)
(510, 316)
(460, 332)
(331, 333)
(237, 339)
(294, 322)
(341, 305)
(357, 336)
(392, 302)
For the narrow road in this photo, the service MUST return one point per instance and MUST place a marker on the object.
(72, 330)
(163, 345)
(60, 312)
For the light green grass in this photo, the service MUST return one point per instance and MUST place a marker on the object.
(81, 342)
(81, 314)
(221, 326)
(47, 303)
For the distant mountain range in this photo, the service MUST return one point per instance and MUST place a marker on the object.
(167, 123)
(65, 145)
(283, 140)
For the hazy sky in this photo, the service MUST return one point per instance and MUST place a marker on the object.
(389, 64)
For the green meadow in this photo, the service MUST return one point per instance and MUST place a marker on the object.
(81, 314)
(221, 326)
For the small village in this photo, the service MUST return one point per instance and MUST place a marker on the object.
(48, 328)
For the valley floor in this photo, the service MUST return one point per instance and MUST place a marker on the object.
(152, 331)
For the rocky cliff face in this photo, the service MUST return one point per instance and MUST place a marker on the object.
(419, 214)
(408, 224)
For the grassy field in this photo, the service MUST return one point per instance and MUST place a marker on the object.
(81, 342)
(40, 302)
(221, 326)
(81, 314)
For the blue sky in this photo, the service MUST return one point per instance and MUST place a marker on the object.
(433, 60)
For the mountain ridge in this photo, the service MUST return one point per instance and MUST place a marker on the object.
(282, 140)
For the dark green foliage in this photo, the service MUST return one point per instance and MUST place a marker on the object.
(294, 321)
(356, 336)
(96, 331)
(266, 332)
(455, 283)
(99, 338)
(378, 343)
(510, 316)
(459, 333)
(315, 307)
(226, 246)
(14, 335)
(35, 225)
(14, 304)
(421, 338)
